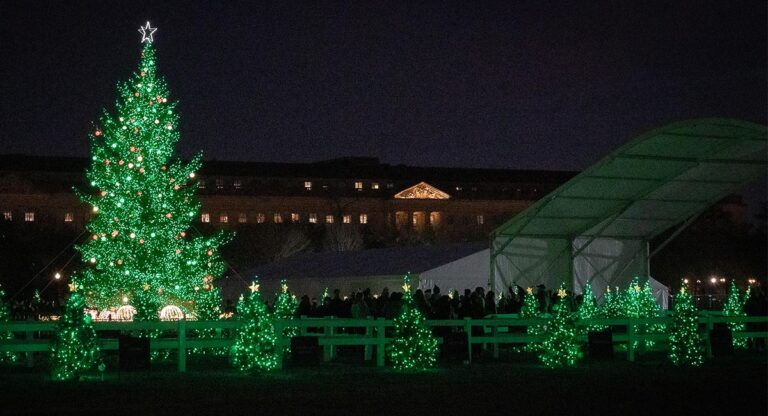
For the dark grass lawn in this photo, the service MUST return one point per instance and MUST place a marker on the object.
(512, 386)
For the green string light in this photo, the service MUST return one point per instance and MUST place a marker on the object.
(560, 347)
(255, 347)
(414, 347)
(73, 350)
(734, 306)
(685, 343)
(143, 200)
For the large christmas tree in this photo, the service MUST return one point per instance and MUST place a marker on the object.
(5, 316)
(143, 201)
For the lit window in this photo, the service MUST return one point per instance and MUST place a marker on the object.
(238, 184)
(329, 219)
(375, 185)
(414, 220)
(359, 186)
(29, 216)
(242, 218)
(201, 184)
(68, 217)
(260, 218)
(308, 185)
(277, 218)
(390, 185)
(223, 217)
(480, 220)
(312, 218)
(219, 183)
(363, 218)
(459, 188)
(205, 217)
(295, 217)
(8, 216)
(346, 219)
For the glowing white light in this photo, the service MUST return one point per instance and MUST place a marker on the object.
(125, 313)
(713, 280)
(125, 299)
(147, 32)
(192, 175)
(171, 313)
(57, 276)
(685, 281)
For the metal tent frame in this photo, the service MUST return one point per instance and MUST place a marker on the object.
(662, 179)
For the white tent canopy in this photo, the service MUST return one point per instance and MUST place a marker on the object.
(595, 228)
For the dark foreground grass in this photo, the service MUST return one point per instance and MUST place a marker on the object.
(728, 386)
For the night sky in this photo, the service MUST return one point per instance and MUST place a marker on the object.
(473, 84)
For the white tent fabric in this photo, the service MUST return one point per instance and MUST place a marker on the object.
(467, 272)
(596, 227)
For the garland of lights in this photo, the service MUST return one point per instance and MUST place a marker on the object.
(208, 308)
(143, 201)
(560, 347)
(684, 339)
(255, 346)
(734, 306)
(73, 350)
(413, 347)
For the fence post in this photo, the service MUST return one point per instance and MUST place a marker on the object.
(30, 358)
(182, 361)
(710, 327)
(381, 342)
(368, 351)
(494, 332)
(328, 348)
(468, 331)
(630, 339)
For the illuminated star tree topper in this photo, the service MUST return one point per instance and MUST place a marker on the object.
(147, 32)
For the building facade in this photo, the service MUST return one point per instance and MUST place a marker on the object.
(448, 204)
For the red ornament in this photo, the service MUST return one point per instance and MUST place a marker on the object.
(97, 133)
(141, 241)
(120, 162)
(178, 251)
(136, 94)
(106, 161)
(210, 252)
(162, 167)
(168, 215)
(138, 193)
(143, 73)
(120, 262)
(132, 148)
(183, 234)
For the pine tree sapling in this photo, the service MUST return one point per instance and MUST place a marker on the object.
(560, 347)
(685, 342)
(143, 202)
(208, 308)
(73, 350)
(414, 347)
(735, 307)
(255, 346)
(589, 309)
(613, 304)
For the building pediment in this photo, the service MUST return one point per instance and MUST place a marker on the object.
(422, 190)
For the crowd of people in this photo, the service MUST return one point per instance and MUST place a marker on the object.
(432, 302)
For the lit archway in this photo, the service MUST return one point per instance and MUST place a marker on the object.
(171, 313)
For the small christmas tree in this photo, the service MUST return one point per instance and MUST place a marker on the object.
(530, 310)
(613, 304)
(208, 308)
(6, 357)
(73, 350)
(255, 347)
(735, 307)
(684, 338)
(285, 308)
(589, 309)
(413, 347)
(560, 347)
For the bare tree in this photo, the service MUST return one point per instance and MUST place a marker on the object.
(339, 237)
(293, 241)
